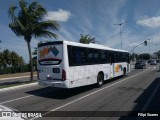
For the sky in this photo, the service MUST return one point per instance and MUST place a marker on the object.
(97, 18)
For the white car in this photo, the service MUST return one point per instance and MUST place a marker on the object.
(153, 62)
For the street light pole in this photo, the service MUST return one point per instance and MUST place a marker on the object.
(120, 24)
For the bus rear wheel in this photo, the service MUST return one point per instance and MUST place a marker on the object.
(100, 80)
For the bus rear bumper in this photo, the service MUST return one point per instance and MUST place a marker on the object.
(58, 84)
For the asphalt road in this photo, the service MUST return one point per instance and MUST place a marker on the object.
(138, 92)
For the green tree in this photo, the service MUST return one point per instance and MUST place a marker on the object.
(14, 60)
(2, 60)
(86, 39)
(7, 58)
(158, 54)
(20, 62)
(35, 51)
(144, 56)
(29, 23)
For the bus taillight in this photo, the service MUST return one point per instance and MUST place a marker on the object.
(63, 74)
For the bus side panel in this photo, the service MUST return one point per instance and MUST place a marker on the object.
(77, 76)
(92, 72)
(87, 75)
(66, 65)
(118, 69)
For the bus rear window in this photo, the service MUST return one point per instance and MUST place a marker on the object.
(50, 53)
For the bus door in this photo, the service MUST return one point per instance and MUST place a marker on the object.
(111, 61)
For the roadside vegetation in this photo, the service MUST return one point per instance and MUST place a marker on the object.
(11, 62)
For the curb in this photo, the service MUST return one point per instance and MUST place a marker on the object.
(18, 87)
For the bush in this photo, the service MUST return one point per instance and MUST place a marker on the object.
(24, 68)
(6, 70)
(9, 70)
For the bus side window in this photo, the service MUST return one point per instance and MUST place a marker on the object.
(96, 56)
(111, 57)
(79, 56)
(70, 55)
(128, 55)
(76, 56)
(83, 52)
(90, 56)
(103, 56)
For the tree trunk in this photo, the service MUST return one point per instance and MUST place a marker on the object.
(31, 62)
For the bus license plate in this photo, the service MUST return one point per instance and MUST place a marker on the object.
(49, 78)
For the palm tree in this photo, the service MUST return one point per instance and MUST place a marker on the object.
(29, 23)
(86, 39)
(35, 51)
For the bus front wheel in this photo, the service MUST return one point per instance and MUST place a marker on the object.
(100, 80)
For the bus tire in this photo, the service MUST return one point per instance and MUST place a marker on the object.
(100, 80)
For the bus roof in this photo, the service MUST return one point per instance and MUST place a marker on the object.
(93, 45)
(90, 45)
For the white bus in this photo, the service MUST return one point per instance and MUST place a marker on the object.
(67, 64)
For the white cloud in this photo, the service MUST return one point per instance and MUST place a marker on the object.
(152, 22)
(133, 44)
(60, 15)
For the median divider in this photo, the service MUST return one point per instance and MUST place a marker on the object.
(16, 77)
(18, 87)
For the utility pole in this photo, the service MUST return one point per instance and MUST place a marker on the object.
(157, 51)
(149, 49)
(133, 50)
(120, 24)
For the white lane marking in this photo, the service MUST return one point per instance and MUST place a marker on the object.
(16, 77)
(16, 99)
(154, 67)
(5, 108)
(92, 93)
